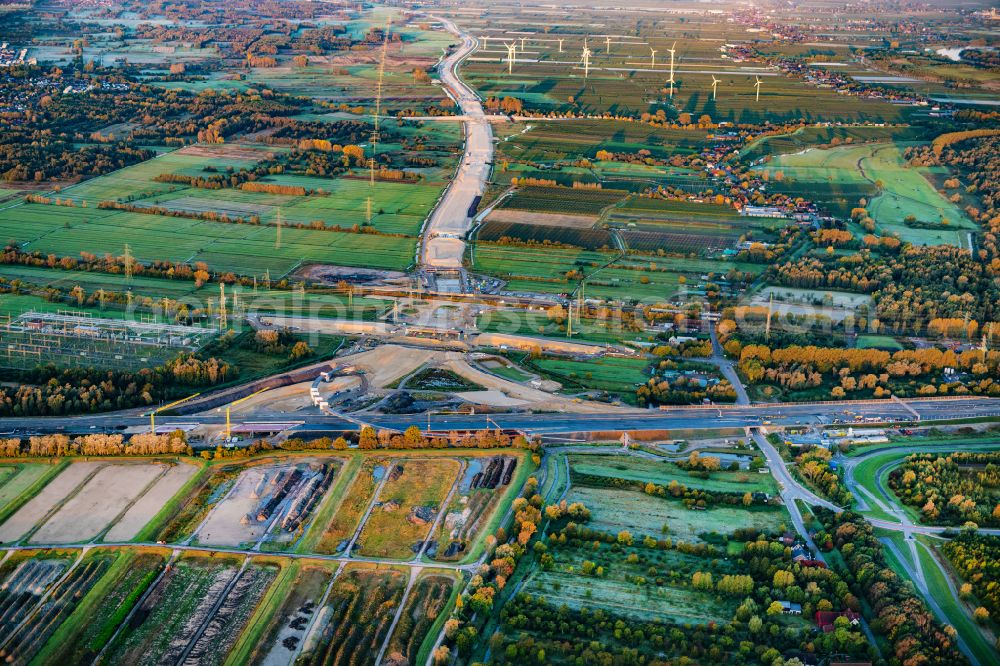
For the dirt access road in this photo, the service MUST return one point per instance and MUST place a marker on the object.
(443, 245)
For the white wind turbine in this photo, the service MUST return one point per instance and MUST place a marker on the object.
(757, 86)
(652, 57)
(586, 59)
(511, 56)
(607, 44)
(671, 81)
(715, 86)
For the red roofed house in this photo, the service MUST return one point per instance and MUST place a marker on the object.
(825, 619)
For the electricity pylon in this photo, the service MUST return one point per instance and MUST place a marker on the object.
(129, 265)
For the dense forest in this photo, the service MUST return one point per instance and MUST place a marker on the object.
(951, 488)
(913, 634)
(51, 391)
(976, 558)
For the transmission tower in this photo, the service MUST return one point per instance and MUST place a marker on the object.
(127, 259)
(376, 120)
(378, 102)
(223, 322)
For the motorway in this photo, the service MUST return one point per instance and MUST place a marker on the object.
(443, 246)
(683, 417)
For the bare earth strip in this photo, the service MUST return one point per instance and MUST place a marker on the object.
(543, 219)
(41, 504)
(150, 504)
(387, 363)
(98, 503)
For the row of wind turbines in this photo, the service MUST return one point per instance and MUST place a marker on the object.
(585, 60)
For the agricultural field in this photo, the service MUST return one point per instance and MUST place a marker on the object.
(298, 596)
(550, 142)
(83, 502)
(615, 375)
(663, 472)
(620, 593)
(485, 485)
(177, 614)
(26, 640)
(820, 135)
(614, 510)
(349, 506)
(608, 275)
(46, 501)
(408, 502)
(588, 329)
(18, 480)
(268, 502)
(354, 621)
(27, 577)
(626, 80)
(98, 614)
(570, 201)
(897, 191)
(429, 597)
(242, 249)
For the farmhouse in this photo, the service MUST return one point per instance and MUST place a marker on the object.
(790, 608)
(825, 619)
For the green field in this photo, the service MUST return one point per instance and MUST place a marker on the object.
(242, 249)
(616, 375)
(16, 479)
(663, 472)
(807, 137)
(608, 275)
(879, 342)
(626, 81)
(613, 510)
(848, 173)
(390, 530)
(616, 595)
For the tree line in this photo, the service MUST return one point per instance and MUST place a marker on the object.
(951, 488)
(48, 390)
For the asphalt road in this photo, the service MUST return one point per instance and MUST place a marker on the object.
(697, 417)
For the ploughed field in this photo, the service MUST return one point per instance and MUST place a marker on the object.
(99, 599)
